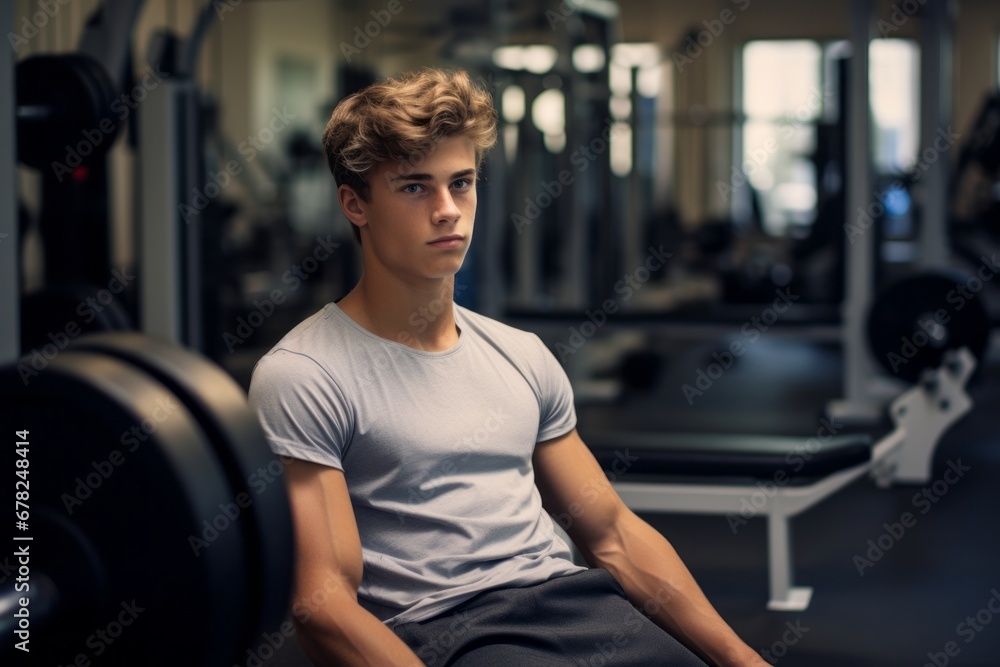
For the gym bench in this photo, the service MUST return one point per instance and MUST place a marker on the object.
(727, 474)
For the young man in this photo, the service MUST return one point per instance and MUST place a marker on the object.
(428, 445)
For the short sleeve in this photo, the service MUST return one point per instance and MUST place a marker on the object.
(557, 414)
(301, 409)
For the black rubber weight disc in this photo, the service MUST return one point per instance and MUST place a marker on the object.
(132, 505)
(916, 320)
(220, 406)
(78, 93)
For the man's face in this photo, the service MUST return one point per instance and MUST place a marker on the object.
(419, 217)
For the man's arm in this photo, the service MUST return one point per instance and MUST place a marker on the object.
(333, 628)
(612, 537)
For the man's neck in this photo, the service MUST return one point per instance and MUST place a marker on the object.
(421, 317)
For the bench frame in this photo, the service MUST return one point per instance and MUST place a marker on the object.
(921, 415)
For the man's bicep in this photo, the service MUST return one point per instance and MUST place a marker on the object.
(328, 548)
(575, 490)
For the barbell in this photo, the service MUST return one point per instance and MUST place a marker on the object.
(156, 522)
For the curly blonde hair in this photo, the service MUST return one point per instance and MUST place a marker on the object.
(401, 119)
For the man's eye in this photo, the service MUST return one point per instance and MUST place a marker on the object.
(412, 187)
(463, 183)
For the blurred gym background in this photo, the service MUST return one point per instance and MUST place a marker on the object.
(722, 135)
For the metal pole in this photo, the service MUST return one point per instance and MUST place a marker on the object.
(935, 121)
(859, 402)
(10, 310)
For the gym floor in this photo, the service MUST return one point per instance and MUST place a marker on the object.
(911, 602)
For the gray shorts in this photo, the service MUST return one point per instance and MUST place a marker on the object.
(579, 620)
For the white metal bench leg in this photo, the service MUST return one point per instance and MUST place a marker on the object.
(784, 596)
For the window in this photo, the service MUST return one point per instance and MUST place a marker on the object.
(782, 99)
(788, 87)
(894, 80)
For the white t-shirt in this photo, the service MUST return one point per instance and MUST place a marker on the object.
(436, 449)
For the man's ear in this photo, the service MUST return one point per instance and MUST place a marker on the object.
(353, 206)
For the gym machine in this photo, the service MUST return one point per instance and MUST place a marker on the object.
(69, 112)
(865, 389)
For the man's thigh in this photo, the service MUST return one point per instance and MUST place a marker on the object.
(580, 620)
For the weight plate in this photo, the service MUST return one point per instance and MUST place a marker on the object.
(74, 95)
(220, 406)
(917, 319)
(113, 452)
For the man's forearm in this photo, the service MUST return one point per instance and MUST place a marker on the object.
(344, 634)
(658, 583)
